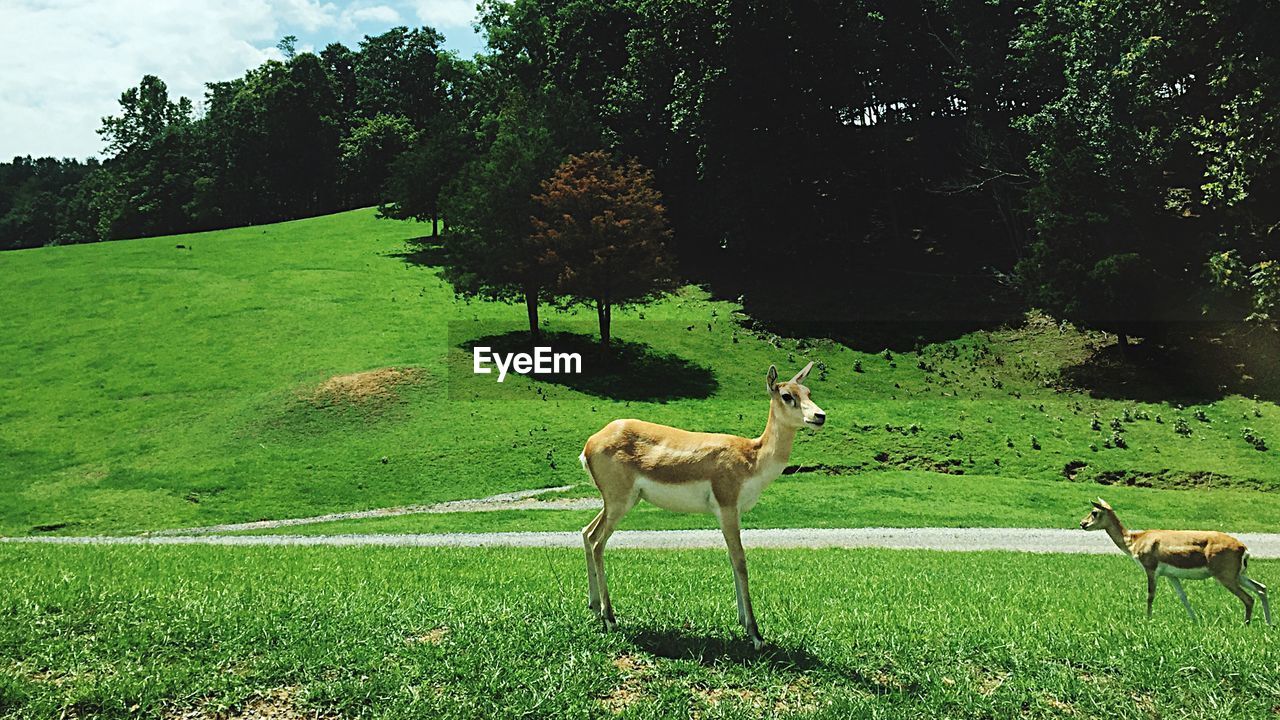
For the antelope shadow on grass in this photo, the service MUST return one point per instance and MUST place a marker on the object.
(707, 649)
(622, 371)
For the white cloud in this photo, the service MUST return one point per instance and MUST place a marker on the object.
(380, 14)
(447, 13)
(307, 15)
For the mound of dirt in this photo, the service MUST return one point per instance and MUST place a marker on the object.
(370, 386)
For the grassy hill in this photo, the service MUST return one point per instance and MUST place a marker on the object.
(316, 366)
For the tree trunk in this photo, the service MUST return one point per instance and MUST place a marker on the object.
(435, 225)
(1122, 338)
(531, 304)
(605, 311)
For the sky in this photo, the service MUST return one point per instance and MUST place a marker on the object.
(64, 63)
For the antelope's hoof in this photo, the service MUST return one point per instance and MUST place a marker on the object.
(757, 643)
(610, 623)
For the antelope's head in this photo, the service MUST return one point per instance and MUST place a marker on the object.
(1100, 518)
(791, 402)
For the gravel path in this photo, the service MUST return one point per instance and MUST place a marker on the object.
(1043, 540)
(519, 500)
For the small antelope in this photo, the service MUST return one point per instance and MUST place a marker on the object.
(1183, 555)
(692, 472)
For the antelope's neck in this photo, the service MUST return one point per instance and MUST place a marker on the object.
(1121, 537)
(775, 443)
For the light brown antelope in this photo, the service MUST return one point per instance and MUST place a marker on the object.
(692, 472)
(1183, 555)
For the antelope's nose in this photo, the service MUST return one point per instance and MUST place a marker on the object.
(819, 418)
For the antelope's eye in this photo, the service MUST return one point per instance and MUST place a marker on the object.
(786, 398)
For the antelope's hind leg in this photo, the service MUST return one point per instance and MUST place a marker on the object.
(596, 539)
(593, 581)
(1233, 584)
(1261, 591)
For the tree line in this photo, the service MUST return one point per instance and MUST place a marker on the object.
(311, 134)
(1115, 162)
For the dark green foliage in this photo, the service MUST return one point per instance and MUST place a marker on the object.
(397, 73)
(417, 177)
(368, 152)
(1115, 161)
(1154, 145)
(42, 203)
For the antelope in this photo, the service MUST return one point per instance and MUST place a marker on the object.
(1183, 555)
(692, 472)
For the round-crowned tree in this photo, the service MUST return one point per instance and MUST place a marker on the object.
(602, 228)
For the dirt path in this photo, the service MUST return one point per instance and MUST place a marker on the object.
(1042, 540)
(519, 500)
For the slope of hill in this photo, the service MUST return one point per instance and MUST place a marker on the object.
(310, 366)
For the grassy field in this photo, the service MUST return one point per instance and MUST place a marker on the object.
(880, 499)
(149, 386)
(321, 365)
(203, 632)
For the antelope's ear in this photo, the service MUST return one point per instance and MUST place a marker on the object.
(800, 376)
(1100, 503)
(771, 380)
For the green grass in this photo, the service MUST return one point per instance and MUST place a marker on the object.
(150, 387)
(115, 632)
(887, 498)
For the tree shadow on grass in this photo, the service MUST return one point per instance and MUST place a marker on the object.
(423, 252)
(623, 371)
(1191, 366)
(707, 649)
(870, 313)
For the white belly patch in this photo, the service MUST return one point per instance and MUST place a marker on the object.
(1183, 573)
(693, 497)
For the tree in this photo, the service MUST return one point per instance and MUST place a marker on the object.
(1237, 132)
(1106, 253)
(153, 163)
(340, 65)
(35, 198)
(601, 227)
(488, 251)
(398, 73)
(1155, 156)
(145, 111)
(417, 177)
(368, 153)
(272, 145)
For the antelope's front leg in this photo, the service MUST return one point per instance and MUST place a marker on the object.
(1151, 590)
(1182, 595)
(731, 528)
